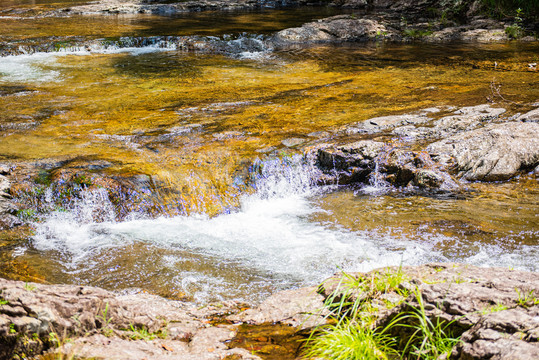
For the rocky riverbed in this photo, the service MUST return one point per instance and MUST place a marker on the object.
(495, 311)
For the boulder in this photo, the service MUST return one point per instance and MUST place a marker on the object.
(8, 209)
(334, 29)
(492, 153)
(350, 162)
(367, 160)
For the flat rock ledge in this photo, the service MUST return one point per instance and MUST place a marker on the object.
(380, 27)
(468, 144)
(495, 311)
(89, 322)
(154, 7)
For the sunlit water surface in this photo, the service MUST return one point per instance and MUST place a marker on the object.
(193, 120)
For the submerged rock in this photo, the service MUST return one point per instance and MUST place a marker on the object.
(492, 153)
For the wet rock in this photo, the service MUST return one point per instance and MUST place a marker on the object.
(334, 29)
(401, 168)
(8, 209)
(365, 160)
(301, 308)
(494, 152)
(351, 162)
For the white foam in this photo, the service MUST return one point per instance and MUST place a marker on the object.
(272, 235)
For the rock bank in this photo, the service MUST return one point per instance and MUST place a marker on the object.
(419, 150)
(495, 312)
(92, 322)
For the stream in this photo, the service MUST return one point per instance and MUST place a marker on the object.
(197, 110)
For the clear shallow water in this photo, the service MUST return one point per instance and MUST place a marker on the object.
(193, 121)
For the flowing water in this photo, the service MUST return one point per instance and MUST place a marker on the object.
(197, 106)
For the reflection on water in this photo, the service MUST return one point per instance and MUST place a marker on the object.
(191, 124)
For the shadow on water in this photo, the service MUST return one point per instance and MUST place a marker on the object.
(157, 65)
(366, 56)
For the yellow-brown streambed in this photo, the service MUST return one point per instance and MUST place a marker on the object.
(194, 121)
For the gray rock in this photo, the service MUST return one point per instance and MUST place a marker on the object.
(463, 119)
(379, 124)
(531, 116)
(351, 162)
(358, 162)
(334, 29)
(4, 169)
(292, 142)
(495, 152)
(4, 186)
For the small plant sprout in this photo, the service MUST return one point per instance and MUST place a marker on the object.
(105, 320)
(526, 299)
(29, 287)
(494, 308)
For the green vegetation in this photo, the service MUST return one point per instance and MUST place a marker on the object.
(353, 334)
(27, 214)
(104, 320)
(139, 333)
(494, 308)
(29, 287)
(432, 339)
(526, 299)
(512, 8)
(348, 340)
(416, 33)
